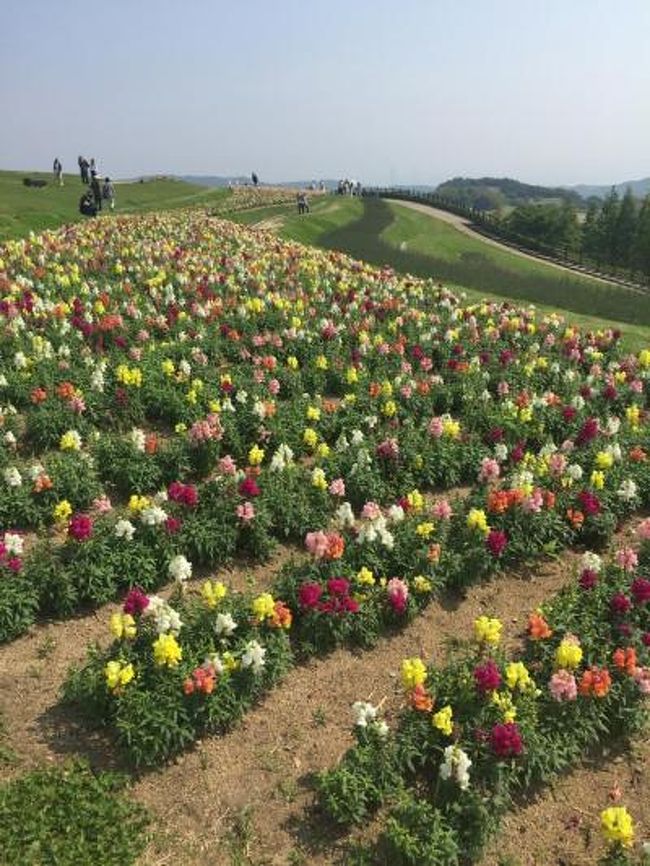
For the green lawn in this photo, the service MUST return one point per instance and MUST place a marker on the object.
(387, 233)
(24, 209)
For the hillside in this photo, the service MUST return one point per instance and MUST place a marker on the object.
(493, 193)
(640, 188)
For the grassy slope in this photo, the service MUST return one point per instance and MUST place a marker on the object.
(24, 209)
(377, 231)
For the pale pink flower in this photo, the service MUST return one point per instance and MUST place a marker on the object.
(227, 465)
(258, 375)
(274, 387)
(435, 427)
(643, 529)
(489, 471)
(563, 687)
(636, 385)
(398, 593)
(317, 543)
(642, 678)
(533, 503)
(102, 504)
(442, 509)
(246, 512)
(557, 463)
(406, 367)
(503, 389)
(627, 559)
(371, 511)
(426, 364)
(337, 487)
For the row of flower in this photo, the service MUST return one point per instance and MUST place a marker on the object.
(487, 725)
(248, 197)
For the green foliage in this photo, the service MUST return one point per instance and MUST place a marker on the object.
(69, 816)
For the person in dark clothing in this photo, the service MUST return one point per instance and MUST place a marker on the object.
(87, 205)
(96, 190)
(255, 179)
(57, 168)
(83, 169)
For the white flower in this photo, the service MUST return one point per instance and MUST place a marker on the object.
(153, 515)
(12, 477)
(381, 728)
(456, 765)
(344, 516)
(10, 439)
(501, 452)
(574, 471)
(395, 513)
(282, 458)
(357, 437)
(224, 624)
(342, 443)
(253, 656)
(124, 529)
(165, 617)
(180, 569)
(259, 409)
(20, 360)
(591, 562)
(97, 381)
(137, 438)
(628, 490)
(14, 543)
(363, 713)
(184, 367)
(578, 402)
(241, 396)
(612, 426)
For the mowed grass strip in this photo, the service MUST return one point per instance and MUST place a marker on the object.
(386, 233)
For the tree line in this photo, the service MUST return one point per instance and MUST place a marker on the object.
(615, 232)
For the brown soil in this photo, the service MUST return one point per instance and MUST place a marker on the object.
(245, 798)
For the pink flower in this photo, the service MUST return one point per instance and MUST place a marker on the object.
(563, 686)
(338, 586)
(371, 511)
(442, 510)
(643, 529)
(490, 470)
(227, 465)
(249, 488)
(309, 595)
(173, 525)
(533, 503)
(274, 387)
(642, 678)
(627, 559)
(246, 512)
(337, 487)
(503, 389)
(388, 449)
(398, 593)
(435, 428)
(505, 740)
(317, 543)
(102, 505)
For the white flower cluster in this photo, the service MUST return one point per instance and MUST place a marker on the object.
(282, 458)
(253, 656)
(180, 569)
(365, 716)
(124, 529)
(591, 562)
(12, 477)
(456, 766)
(224, 625)
(14, 543)
(137, 438)
(153, 515)
(628, 490)
(166, 619)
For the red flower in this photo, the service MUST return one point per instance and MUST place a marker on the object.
(309, 595)
(248, 488)
(620, 604)
(173, 525)
(641, 590)
(588, 431)
(135, 602)
(487, 677)
(588, 579)
(496, 541)
(590, 502)
(338, 586)
(506, 741)
(80, 527)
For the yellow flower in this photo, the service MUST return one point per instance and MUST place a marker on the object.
(451, 428)
(386, 388)
(122, 625)
(351, 376)
(292, 362)
(365, 576)
(526, 414)
(421, 584)
(389, 409)
(517, 676)
(166, 651)
(313, 413)
(230, 663)
(415, 500)
(70, 441)
(167, 366)
(323, 451)
(633, 414)
(568, 655)
(213, 591)
(180, 427)
(598, 479)
(255, 455)
(138, 503)
(442, 720)
(310, 437)
(424, 529)
(129, 375)
(318, 479)
(476, 519)
(118, 674)
(504, 702)
(487, 630)
(617, 826)
(644, 357)
(414, 673)
(263, 606)
(62, 511)
(604, 460)
(322, 363)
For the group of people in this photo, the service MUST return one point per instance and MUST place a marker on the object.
(348, 187)
(100, 191)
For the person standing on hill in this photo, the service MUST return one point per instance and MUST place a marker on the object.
(255, 179)
(83, 170)
(96, 190)
(108, 193)
(58, 170)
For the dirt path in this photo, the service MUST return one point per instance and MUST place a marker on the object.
(463, 225)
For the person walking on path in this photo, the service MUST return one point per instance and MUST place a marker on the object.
(96, 190)
(58, 170)
(108, 193)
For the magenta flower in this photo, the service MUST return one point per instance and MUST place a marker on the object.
(496, 541)
(80, 527)
(506, 741)
(136, 602)
(487, 677)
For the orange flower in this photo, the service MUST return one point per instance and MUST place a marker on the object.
(638, 454)
(423, 388)
(66, 390)
(151, 443)
(270, 408)
(282, 616)
(421, 700)
(576, 518)
(595, 681)
(522, 399)
(330, 406)
(374, 389)
(625, 660)
(335, 546)
(39, 395)
(538, 628)
(498, 501)
(549, 499)
(188, 686)
(42, 482)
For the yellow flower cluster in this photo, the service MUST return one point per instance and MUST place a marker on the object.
(568, 655)
(166, 651)
(365, 576)
(424, 529)
(617, 825)
(255, 455)
(263, 606)
(476, 519)
(451, 428)
(487, 630)
(415, 500)
(213, 591)
(62, 511)
(310, 437)
(131, 376)
(503, 701)
(118, 674)
(421, 583)
(442, 720)
(122, 625)
(413, 672)
(518, 677)
(138, 503)
(70, 441)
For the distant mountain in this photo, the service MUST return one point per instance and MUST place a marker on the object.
(640, 188)
(493, 193)
(218, 180)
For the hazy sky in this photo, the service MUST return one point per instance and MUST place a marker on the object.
(548, 91)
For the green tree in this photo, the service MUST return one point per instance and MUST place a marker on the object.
(625, 230)
(607, 222)
(641, 244)
(591, 240)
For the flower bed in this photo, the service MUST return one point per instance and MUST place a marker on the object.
(488, 726)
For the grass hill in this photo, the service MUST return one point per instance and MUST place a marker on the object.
(24, 209)
(493, 193)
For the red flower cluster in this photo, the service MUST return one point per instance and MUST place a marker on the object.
(249, 488)
(496, 541)
(80, 527)
(590, 502)
(641, 590)
(136, 602)
(203, 680)
(506, 741)
(487, 677)
(186, 494)
(334, 599)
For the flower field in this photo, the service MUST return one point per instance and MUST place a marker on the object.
(178, 393)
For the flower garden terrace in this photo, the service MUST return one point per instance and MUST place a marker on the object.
(226, 391)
